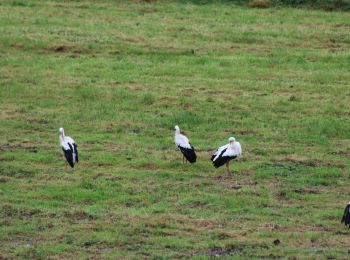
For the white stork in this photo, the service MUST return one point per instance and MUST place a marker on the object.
(226, 153)
(185, 146)
(346, 216)
(69, 147)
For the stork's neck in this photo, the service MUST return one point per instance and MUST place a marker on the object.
(177, 131)
(62, 136)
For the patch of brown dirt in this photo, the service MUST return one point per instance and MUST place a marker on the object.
(52, 215)
(245, 131)
(197, 204)
(233, 249)
(113, 178)
(231, 177)
(312, 162)
(9, 112)
(16, 147)
(97, 175)
(192, 224)
(205, 223)
(78, 215)
(38, 121)
(3, 180)
(347, 152)
(10, 211)
(148, 166)
(60, 49)
(68, 49)
(306, 191)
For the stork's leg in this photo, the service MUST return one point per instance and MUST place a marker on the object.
(228, 168)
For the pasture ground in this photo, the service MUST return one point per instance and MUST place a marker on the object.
(118, 75)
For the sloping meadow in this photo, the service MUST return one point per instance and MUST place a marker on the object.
(118, 75)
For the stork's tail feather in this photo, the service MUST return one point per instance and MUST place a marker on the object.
(190, 154)
(346, 217)
(220, 161)
(346, 220)
(76, 152)
(69, 156)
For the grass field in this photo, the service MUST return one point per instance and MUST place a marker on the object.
(118, 75)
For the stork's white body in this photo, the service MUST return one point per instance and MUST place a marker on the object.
(185, 146)
(69, 147)
(226, 153)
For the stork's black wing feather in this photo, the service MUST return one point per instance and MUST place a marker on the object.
(76, 152)
(190, 154)
(69, 155)
(221, 160)
(346, 216)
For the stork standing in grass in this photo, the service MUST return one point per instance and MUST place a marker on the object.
(69, 148)
(185, 146)
(346, 216)
(226, 153)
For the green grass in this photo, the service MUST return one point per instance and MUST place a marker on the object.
(118, 75)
